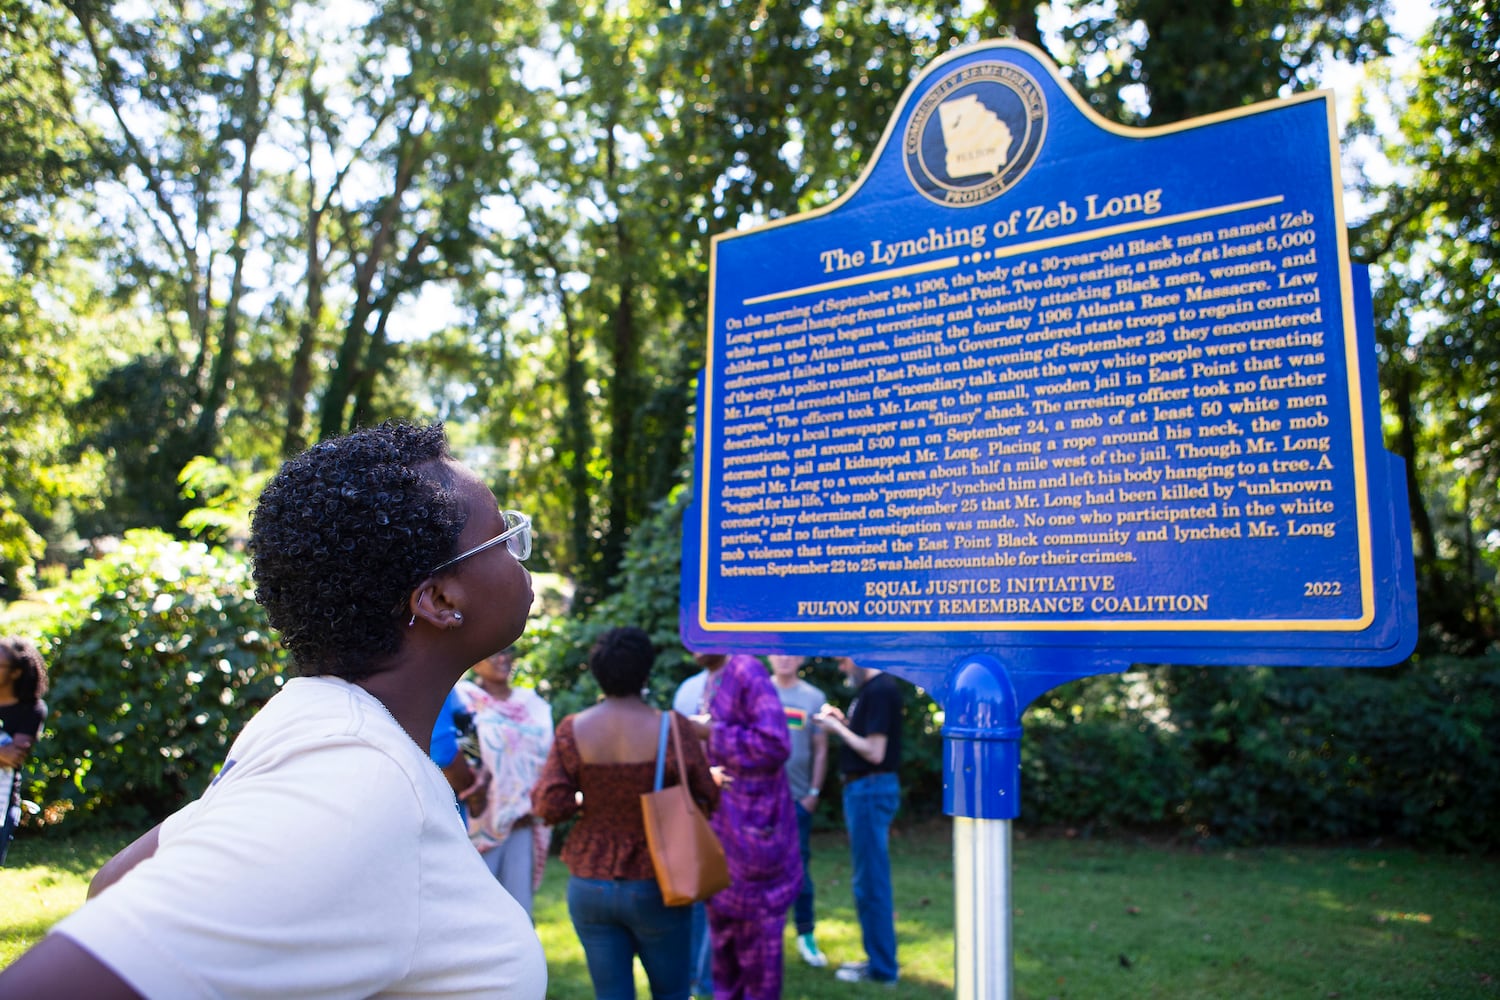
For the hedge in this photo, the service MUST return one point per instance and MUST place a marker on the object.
(158, 655)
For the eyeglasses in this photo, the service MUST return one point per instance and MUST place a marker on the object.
(516, 536)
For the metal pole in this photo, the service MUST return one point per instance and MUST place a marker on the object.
(981, 791)
(983, 968)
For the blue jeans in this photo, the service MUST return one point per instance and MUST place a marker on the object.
(869, 806)
(7, 829)
(618, 919)
(10, 810)
(700, 947)
(803, 908)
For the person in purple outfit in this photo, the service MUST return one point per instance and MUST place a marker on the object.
(744, 729)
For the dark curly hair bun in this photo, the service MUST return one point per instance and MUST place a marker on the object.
(621, 660)
(344, 533)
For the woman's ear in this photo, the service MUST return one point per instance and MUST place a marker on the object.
(435, 603)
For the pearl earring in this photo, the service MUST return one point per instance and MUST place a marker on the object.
(458, 617)
(412, 622)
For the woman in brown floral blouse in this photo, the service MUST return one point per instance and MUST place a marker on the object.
(602, 760)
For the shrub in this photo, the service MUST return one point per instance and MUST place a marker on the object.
(158, 654)
(1255, 755)
(1095, 754)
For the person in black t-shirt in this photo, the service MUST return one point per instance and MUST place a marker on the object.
(869, 760)
(23, 681)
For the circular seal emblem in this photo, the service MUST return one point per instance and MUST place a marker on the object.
(975, 134)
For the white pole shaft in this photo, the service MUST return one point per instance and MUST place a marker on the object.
(982, 909)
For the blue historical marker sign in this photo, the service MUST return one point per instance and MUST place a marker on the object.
(1053, 388)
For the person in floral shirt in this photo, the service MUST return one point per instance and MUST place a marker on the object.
(513, 731)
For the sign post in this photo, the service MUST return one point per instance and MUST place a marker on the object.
(981, 791)
(1041, 397)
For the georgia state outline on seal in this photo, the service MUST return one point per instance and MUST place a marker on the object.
(977, 141)
(975, 134)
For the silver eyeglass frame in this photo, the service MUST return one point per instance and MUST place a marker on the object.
(517, 539)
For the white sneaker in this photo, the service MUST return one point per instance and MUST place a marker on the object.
(859, 972)
(808, 949)
(853, 972)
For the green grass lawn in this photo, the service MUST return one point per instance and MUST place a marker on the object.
(1093, 918)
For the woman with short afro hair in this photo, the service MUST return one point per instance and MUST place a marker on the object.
(343, 534)
(327, 858)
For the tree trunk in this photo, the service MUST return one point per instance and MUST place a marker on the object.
(299, 381)
(347, 371)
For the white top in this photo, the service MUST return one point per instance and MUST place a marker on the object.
(690, 694)
(326, 860)
(514, 735)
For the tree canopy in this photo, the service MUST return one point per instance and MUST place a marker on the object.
(229, 230)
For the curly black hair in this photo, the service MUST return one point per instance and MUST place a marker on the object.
(32, 684)
(621, 660)
(344, 533)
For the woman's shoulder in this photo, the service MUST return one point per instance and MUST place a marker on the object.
(681, 722)
(564, 742)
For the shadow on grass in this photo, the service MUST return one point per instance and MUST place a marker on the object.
(1092, 918)
(76, 854)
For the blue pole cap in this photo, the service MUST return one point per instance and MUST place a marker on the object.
(981, 741)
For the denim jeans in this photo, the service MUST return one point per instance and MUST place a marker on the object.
(7, 828)
(803, 908)
(618, 919)
(10, 810)
(701, 951)
(869, 806)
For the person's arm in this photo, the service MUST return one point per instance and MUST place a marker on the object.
(819, 768)
(129, 856)
(871, 748)
(555, 796)
(459, 774)
(58, 966)
(469, 784)
(538, 751)
(14, 754)
(701, 782)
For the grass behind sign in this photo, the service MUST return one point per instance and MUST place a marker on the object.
(1094, 919)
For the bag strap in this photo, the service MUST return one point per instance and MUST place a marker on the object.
(661, 749)
(682, 778)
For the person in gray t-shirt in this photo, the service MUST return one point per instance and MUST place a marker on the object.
(805, 771)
